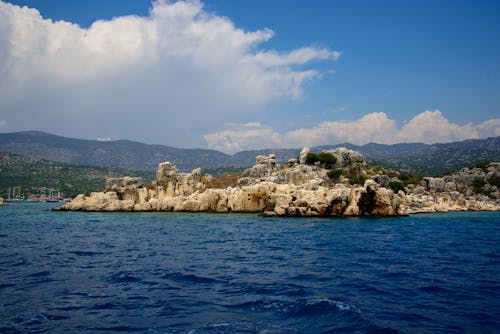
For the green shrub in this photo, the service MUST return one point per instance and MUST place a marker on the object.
(334, 174)
(326, 159)
(396, 186)
(355, 176)
(482, 165)
(311, 158)
(494, 181)
(478, 185)
(409, 179)
(358, 179)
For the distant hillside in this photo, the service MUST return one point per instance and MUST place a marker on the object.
(438, 159)
(119, 153)
(415, 158)
(31, 174)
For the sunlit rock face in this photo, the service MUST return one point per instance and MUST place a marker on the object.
(123, 183)
(298, 189)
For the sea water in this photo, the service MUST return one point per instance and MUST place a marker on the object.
(74, 272)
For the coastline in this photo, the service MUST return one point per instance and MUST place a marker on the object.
(335, 183)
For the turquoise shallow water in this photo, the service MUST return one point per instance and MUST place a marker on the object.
(72, 272)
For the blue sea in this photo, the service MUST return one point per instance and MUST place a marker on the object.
(74, 272)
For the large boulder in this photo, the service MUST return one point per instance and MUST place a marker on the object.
(123, 183)
(264, 166)
(290, 200)
(210, 200)
(346, 157)
(99, 201)
(382, 180)
(303, 155)
(166, 178)
(173, 183)
(434, 183)
(188, 183)
(253, 198)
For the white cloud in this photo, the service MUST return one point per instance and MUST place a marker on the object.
(244, 137)
(165, 78)
(433, 127)
(300, 56)
(428, 127)
(371, 127)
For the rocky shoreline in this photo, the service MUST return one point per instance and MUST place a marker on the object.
(331, 183)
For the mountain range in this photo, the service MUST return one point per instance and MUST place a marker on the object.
(415, 158)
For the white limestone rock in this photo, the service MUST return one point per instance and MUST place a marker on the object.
(346, 157)
(303, 155)
(123, 183)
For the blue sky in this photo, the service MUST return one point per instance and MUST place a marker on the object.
(407, 71)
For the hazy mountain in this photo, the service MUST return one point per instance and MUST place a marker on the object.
(119, 153)
(421, 159)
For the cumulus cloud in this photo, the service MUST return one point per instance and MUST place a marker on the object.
(433, 127)
(246, 136)
(427, 127)
(163, 78)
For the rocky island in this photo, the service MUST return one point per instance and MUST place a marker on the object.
(331, 183)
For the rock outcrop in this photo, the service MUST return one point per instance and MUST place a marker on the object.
(296, 189)
(123, 183)
(346, 157)
(469, 189)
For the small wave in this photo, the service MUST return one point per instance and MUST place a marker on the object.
(38, 318)
(20, 263)
(303, 307)
(243, 326)
(44, 273)
(124, 277)
(303, 277)
(289, 290)
(9, 330)
(105, 306)
(491, 255)
(431, 288)
(56, 317)
(267, 289)
(317, 314)
(137, 298)
(85, 253)
(6, 285)
(68, 308)
(190, 278)
(121, 329)
(397, 275)
(321, 306)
